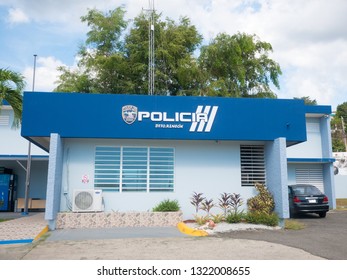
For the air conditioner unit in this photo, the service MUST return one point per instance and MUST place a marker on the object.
(87, 201)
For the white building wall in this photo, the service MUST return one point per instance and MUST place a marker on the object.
(312, 148)
(11, 142)
(208, 167)
(341, 186)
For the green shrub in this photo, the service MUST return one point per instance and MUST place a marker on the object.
(224, 202)
(235, 202)
(262, 218)
(201, 220)
(167, 206)
(263, 202)
(217, 218)
(207, 205)
(234, 218)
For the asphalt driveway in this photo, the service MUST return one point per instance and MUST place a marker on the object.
(326, 238)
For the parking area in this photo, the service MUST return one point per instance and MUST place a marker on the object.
(323, 237)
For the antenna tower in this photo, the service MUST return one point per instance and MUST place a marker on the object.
(151, 62)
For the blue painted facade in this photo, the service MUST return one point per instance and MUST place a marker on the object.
(162, 117)
(205, 133)
(277, 175)
(54, 180)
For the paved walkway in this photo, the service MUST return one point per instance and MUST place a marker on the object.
(125, 243)
(25, 229)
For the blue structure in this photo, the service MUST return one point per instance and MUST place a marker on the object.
(140, 150)
(162, 117)
(13, 160)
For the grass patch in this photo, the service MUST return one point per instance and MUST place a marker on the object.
(167, 206)
(4, 220)
(234, 218)
(341, 202)
(262, 218)
(293, 225)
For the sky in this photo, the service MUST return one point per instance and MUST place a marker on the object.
(309, 38)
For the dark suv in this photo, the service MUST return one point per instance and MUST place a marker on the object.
(307, 199)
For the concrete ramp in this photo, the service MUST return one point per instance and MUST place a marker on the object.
(25, 229)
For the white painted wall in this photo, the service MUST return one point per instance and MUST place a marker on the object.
(340, 186)
(312, 148)
(11, 142)
(202, 166)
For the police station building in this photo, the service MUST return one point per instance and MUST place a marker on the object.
(140, 150)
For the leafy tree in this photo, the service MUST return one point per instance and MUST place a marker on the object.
(338, 145)
(114, 59)
(11, 87)
(239, 66)
(339, 128)
(307, 100)
(174, 47)
(335, 123)
(115, 62)
(106, 30)
(341, 112)
(102, 65)
(73, 81)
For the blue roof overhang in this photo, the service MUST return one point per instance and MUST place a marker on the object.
(119, 116)
(321, 110)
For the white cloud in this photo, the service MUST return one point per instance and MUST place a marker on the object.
(309, 37)
(17, 16)
(45, 74)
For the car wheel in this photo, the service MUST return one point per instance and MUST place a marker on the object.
(322, 214)
(291, 213)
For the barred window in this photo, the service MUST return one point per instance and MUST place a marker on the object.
(161, 169)
(252, 165)
(134, 169)
(107, 168)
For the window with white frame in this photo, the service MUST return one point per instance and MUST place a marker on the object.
(252, 165)
(134, 169)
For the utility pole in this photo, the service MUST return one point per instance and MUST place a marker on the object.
(151, 60)
(344, 133)
(28, 169)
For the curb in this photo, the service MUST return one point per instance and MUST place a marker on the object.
(45, 229)
(182, 227)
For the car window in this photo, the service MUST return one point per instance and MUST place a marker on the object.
(306, 190)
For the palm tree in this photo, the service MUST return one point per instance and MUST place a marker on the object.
(11, 87)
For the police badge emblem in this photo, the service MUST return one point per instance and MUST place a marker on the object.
(129, 113)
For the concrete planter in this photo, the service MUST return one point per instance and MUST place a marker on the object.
(117, 219)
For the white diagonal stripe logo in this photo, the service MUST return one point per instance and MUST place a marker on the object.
(211, 119)
(194, 124)
(205, 124)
